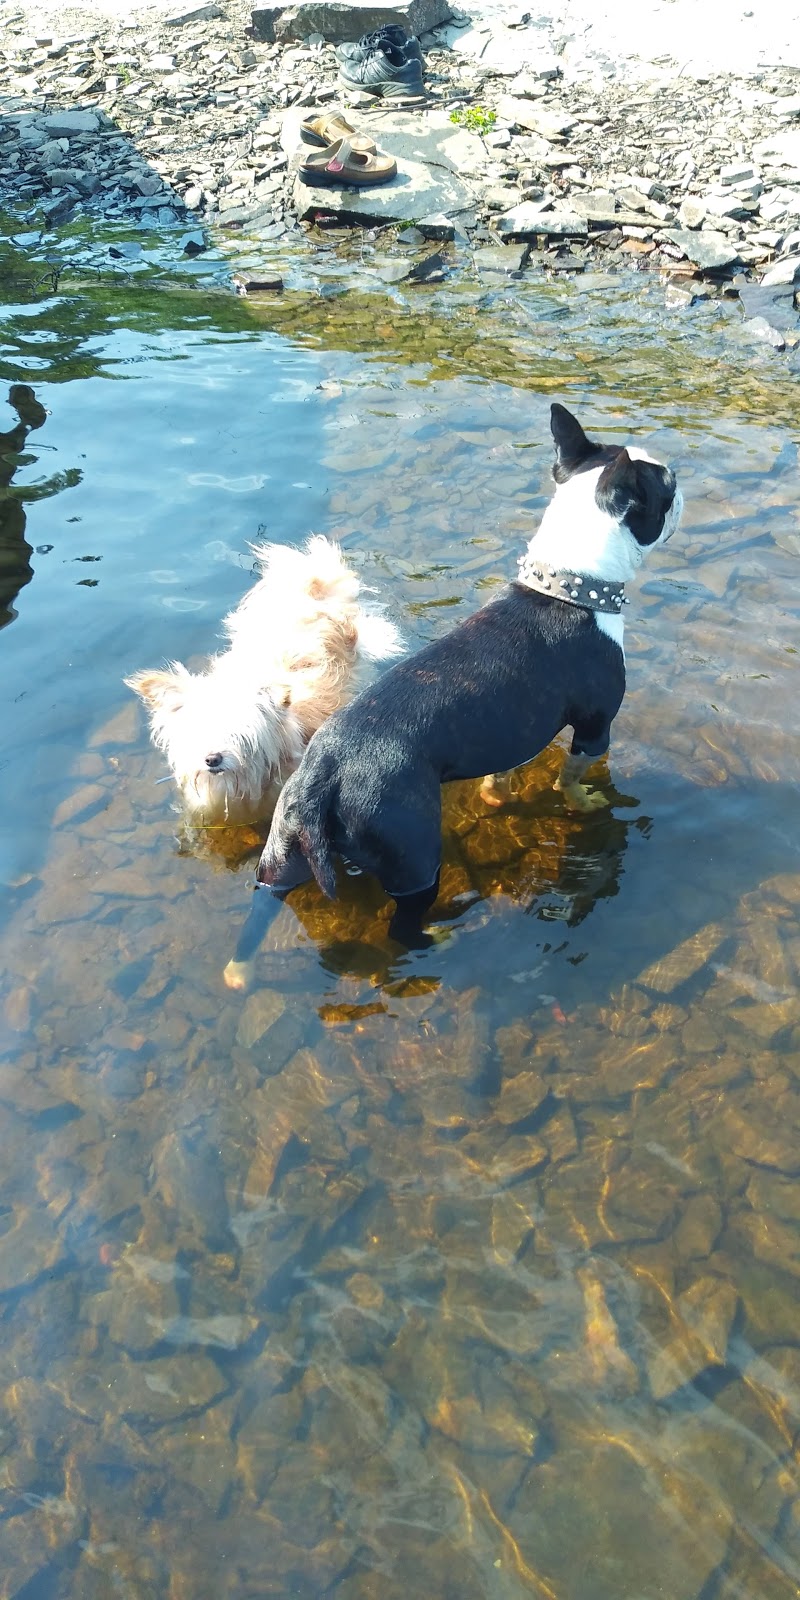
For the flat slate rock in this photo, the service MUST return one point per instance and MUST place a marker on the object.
(340, 20)
(711, 252)
(504, 260)
(427, 181)
(63, 124)
(782, 272)
(437, 227)
(187, 14)
(526, 220)
(431, 269)
(773, 304)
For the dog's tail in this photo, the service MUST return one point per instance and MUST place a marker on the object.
(299, 832)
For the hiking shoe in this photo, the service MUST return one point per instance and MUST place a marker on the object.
(384, 72)
(392, 35)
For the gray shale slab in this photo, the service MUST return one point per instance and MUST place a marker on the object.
(711, 252)
(427, 182)
(528, 220)
(502, 261)
(340, 20)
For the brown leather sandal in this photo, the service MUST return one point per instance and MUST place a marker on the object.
(343, 165)
(329, 127)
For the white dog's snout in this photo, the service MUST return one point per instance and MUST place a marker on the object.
(214, 761)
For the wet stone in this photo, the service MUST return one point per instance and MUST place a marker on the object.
(136, 1311)
(202, 1454)
(762, 329)
(437, 226)
(189, 1178)
(148, 1393)
(708, 1309)
(606, 1364)
(684, 961)
(498, 1430)
(641, 1201)
(262, 1010)
(651, 1528)
(506, 261)
(512, 1224)
(699, 1227)
(27, 1248)
(520, 1097)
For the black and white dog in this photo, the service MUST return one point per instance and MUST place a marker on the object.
(487, 697)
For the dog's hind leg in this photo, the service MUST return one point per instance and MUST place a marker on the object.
(494, 790)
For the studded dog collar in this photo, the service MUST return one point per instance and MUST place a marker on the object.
(572, 587)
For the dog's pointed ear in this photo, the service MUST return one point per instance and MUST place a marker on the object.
(161, 690)
(572, 446)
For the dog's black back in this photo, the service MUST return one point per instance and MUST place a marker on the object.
(488, 696)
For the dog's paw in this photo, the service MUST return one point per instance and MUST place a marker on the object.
(237, 976)
(491, 795)
(579, 797)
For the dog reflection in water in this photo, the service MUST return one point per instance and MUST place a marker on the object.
(15, 552)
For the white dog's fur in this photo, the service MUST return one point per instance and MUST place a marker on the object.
(298, 644)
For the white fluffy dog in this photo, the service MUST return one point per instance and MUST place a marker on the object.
(298, 645)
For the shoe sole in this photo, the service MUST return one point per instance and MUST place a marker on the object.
(314, 179)
(385, 91)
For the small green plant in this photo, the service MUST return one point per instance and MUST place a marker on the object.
(475, 118)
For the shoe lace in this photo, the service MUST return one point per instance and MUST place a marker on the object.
(390, 33)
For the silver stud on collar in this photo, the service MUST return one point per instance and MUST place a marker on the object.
(565, 586)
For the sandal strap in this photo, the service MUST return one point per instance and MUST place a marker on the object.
(343, 155)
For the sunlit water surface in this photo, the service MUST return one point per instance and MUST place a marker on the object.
(465, 1273)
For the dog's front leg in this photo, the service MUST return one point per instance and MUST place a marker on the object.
(578, 796)
(262, 914)
(406, 924)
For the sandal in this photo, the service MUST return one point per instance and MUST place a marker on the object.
(344, 165)
(331, 126)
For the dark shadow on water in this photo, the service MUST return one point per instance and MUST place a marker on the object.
(15, 552)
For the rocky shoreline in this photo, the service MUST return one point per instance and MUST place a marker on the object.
(192, 120)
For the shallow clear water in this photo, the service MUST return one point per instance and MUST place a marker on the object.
(465, 1273)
